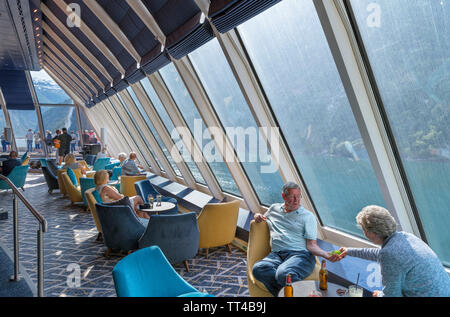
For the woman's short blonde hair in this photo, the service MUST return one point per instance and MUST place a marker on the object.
(101, 177)
(70, 159)
(378, 220)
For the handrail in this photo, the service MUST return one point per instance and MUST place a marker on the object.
(43, 227)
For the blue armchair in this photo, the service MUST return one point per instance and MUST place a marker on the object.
(144, 188)
(50, 178)
(115, 173)
(17, 176)
(110, 166)
(121, 228)
(147, 273)
(85, 184)
(43, 162)
(176, 235)
(101, 163)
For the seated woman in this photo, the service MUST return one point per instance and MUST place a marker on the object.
(71, 162)
(110, 194)
(409, 267)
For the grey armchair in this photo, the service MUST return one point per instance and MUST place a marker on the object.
(121, 228)
(177, 236)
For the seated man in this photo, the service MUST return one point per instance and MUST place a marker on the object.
(10, 163)
(293, 233)
(122, 158)
(129, 167)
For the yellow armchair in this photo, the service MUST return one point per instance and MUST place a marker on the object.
(62, 186)
(217, 224)
(258, 248)
(73, 192)
(127, 184)
(91, 203)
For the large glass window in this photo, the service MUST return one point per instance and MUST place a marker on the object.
(6, 148)
(409, 52)
(170, 128)
(47, 91)
(197, 127)
(234, 113)
(155, 133)
(25, 125)
(132, 120)
(293, 61)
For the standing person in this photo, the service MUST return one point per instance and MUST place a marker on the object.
(37, 141)
(409, 268)
(29, 137)
(64, 148)
(73, 143)
(49, 141)
(293, 234)
(85, 137)
(3, 142)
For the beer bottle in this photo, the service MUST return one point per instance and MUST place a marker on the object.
(323, 277)
(288, 290)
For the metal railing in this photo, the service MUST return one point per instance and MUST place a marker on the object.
(40, 242)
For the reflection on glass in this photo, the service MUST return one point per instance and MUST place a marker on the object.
(171, 129)
(232, 109)
(408, 45)
(290, 54)
(47, 91)
(196, 126)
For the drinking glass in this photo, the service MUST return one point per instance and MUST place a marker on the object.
(158, 200)
(150, 200)
(355, 291)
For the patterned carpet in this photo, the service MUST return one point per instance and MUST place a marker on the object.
(70, 247)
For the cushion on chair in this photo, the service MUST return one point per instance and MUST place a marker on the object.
(97, 197)
(72, 176)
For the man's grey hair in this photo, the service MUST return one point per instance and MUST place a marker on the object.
(122, 155)
(378, 220)
(289, 185)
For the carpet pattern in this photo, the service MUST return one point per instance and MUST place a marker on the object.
(74, 264)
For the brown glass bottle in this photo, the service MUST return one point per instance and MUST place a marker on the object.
(288, 289)
(323, 277)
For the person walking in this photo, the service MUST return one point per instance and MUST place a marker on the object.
(29, 137)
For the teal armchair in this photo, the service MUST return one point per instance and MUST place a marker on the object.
(17, 176)
(147, 273)
(101, 163)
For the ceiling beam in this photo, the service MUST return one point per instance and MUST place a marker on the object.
(92, 36)
(69, 72)
(71, 53)
(71, 66)
(112, 26)
(77, 43)
(64, 73)
(144, 14)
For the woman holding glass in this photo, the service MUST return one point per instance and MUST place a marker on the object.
(409, 268)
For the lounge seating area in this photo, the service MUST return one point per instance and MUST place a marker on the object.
(177, 234)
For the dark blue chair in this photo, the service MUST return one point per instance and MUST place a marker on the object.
(52, 166)
(101, 163)
(147, 273)
(121, 228)
(85, 184)
(43, 162)
(144, 188)
(50, 178)
(90, 159)
(176, 235)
